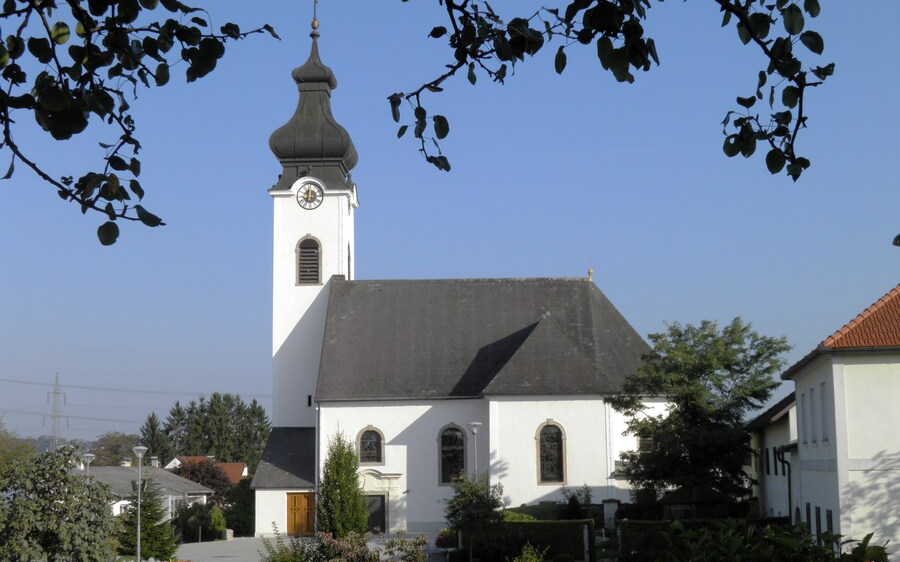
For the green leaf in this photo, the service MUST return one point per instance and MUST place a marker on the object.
(59, 33)
(199, 21)
(793, 19)
(162, 74)
(775, 160)
(12, 168)
(794, 170)
(760, 24)
(149, 4)
(394, 100)
(40, 48)
(746, 102)
(117, 163)
(605, 52)
(441, 126)
(790, 95)
(420, 113)
(812, 7)
(402, 131)
(560, 62)
(813, 41)
(108, 233)
(438, 31)
(743, 34)
(135, 187)
(147, 217)
(4, 56)
(731, 147)
(471, 74)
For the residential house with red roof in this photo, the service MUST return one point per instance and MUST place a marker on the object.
(848, 427)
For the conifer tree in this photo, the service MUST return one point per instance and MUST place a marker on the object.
(154, 438)
(341, 507)
(157, 535)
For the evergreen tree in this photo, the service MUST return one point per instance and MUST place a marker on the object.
(154, 438)
(176, 429)
(340, 506)
(157, 534)
(711, 380)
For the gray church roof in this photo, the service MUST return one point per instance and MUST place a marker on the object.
(463, 338)
(289, 460)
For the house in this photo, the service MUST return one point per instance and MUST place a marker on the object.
(175, 490)
(429, 378)
(234, 471)
(773, 439)
(848, 449)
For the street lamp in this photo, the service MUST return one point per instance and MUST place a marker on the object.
(87, 459)
(139, 453)
(473, 427)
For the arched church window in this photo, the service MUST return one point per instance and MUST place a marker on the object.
(551, 453)
(453, 454)
(309, 260)
(371, 447)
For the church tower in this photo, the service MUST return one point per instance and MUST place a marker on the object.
(314, 201)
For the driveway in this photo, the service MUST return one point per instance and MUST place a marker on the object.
(245, 549)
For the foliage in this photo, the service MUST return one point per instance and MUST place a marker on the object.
(474, 504)
(113, 447)
(350, 548)
(530, 554)
(340, 505)
(448, 538)
(290, 549)
(223, 426)
(199, 522)
(240, 509)
(13, 450)
(49, 513)
(505, 540)
(543, 511)
(738, 540)
(582, 495)
(711, 380)
(155, 439)
(484, 43)
(209, 474)
(157, 534)
(410, 549)
(509, 515)
(68, 63)
(572, 509)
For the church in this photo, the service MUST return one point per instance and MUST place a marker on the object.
(429, 379)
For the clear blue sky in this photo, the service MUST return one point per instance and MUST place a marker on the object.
(550, 175)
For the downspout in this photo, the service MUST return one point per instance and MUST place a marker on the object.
(779, 454)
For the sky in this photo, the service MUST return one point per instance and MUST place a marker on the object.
(551, 175)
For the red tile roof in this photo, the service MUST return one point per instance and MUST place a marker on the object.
(233, 470)
(876, 326)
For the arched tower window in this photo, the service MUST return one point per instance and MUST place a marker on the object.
(551, 453)
(371, 446)
(309, 262)
(453, 454)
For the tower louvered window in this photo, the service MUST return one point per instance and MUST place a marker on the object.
(308, 262)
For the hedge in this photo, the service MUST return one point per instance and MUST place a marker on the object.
(505, 540)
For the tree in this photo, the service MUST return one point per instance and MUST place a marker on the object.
(475, 503)
(484, 43)
(199, 522)
(49, 513)
(113, 447)
(154, 438)
(208, 474)
(240, 509)
(340, 505)
(711, 380)
(70, 63)
(157, 534)
(13, 450)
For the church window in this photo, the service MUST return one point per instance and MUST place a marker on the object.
(551, 453)
(453, 454)
(309, 262)
(371, 446)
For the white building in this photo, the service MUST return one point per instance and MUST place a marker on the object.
(847, 419)
(430, 379)
(773, 439)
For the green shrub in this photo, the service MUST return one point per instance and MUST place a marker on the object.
(290, 549)
(199, 522)
(506, 540)
(530, 554)
(509, 515)
(447, 538)
(563, 557)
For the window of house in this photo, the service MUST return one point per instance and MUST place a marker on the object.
(767, 461)
(775, 461)
(812, 415)
(829, 521)
(818, 525)
(551, 454)
(453, 454)
(808, 517)
(309, 262)
(371, 447)
(824, 411)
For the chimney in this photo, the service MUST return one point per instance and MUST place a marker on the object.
(125, 462)
(211, 459)
(154, 462)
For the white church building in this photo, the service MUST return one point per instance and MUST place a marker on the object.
(429, 378)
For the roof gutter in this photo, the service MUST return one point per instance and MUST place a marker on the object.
(823, 350)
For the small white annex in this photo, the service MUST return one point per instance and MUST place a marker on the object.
(429, 378)
(838, 429)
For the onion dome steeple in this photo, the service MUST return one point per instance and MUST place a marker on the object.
(312, 143)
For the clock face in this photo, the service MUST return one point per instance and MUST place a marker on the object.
(310, 196)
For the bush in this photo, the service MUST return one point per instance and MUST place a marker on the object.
(447, 538)
(509, 515)
(506, 540)
(240, 513)
(530, 554)
(572, 510)
(290, 549)
(199, 522)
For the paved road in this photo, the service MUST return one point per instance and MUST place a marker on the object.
(238, 550)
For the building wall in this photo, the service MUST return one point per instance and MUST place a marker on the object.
(271, 507)
(409, 477)
(773, 475)
(871, 490)
(298, 314)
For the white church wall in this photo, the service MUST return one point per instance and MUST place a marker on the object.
(298, 316)
(271, 507)
(409, 477)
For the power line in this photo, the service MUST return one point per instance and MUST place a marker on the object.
(127, 390)
(87, 418)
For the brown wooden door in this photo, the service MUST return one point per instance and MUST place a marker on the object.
(301, 514)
